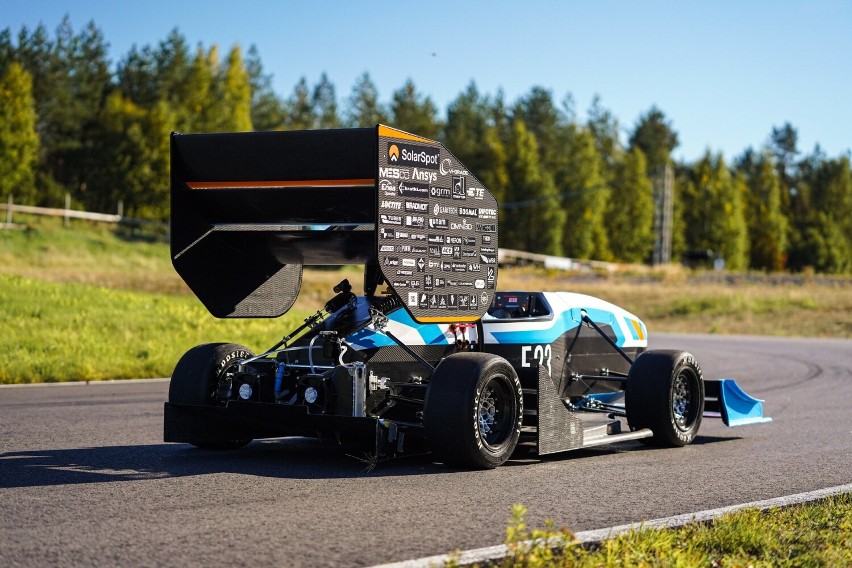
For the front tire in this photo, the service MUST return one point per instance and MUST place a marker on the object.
(473, 410)
(201, 378)
(665, 392)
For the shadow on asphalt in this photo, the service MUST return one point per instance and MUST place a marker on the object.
(287, 458)
(295, 458)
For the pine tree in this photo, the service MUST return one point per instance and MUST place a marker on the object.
(414, 113)
(300, 108)
(827, 240)
(655, 136)
(548, 124)
(532, 220)
(198, 108)
(18, 139)
(714, 212)
(133, 146)
(364, 109)
(234, 108)
(767, 225)
(137, 77)
(325, 104)
(630, 212)
(267, 108)
(584, 198)
(604, 127)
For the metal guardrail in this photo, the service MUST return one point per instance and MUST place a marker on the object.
(519, 257)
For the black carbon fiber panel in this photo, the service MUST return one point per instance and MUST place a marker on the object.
(558, 428)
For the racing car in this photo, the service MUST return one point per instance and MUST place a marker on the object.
(430, 355)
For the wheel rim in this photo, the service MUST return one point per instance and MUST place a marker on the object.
(684, 400)
(495, 413)
(222, 385)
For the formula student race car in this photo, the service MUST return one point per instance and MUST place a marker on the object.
(431, 355)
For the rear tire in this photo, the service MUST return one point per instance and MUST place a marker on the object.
(198, 376)
(665, 392)
(473, 410)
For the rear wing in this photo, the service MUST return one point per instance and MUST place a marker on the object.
(249, 210)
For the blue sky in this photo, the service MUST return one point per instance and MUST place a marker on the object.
(724, 72)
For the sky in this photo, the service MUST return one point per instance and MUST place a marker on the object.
(723, 72)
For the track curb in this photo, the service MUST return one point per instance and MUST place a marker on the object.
(495, 553)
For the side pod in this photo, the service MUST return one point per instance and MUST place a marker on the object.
(723, 398)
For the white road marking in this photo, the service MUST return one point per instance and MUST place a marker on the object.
(493, 553)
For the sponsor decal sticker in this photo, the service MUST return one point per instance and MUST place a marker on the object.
(391, 219)
(459, 187)
(413, 155)
(440, 192)
(424, 175)
(385, 204)
(416, 206)
(415, 221)
(447, 167)
(438, 223)
(486, 228)
(394, 173)
(468, 212)
(439, 209)
(413, 189)
(476, 192)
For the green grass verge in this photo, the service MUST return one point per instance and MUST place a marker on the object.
(89, 302)
(65, 332)
(813, 534)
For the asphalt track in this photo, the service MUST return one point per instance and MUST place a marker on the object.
(85, 479)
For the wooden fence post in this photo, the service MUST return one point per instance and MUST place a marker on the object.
(9, 212)
(66, 221)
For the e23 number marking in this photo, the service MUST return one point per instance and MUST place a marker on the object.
(540, 353)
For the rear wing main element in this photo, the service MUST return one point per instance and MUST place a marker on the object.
(248, 210)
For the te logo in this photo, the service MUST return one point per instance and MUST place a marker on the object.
(540, 353)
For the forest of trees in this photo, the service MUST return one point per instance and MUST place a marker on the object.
(73, 122)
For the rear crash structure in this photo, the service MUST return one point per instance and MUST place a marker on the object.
(430, 356)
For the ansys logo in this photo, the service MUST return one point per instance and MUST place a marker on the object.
(393, 152)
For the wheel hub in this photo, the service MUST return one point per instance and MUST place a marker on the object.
(681, 400)
(487, 412)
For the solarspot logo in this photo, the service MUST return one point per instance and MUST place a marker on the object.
(413, 155)
(393, 153)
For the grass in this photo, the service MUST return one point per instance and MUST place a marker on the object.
(812, 534)
(60, 332)
(88, 302)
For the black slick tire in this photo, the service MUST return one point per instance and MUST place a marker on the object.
(473, 410)
(665, 392)
(196, 378)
